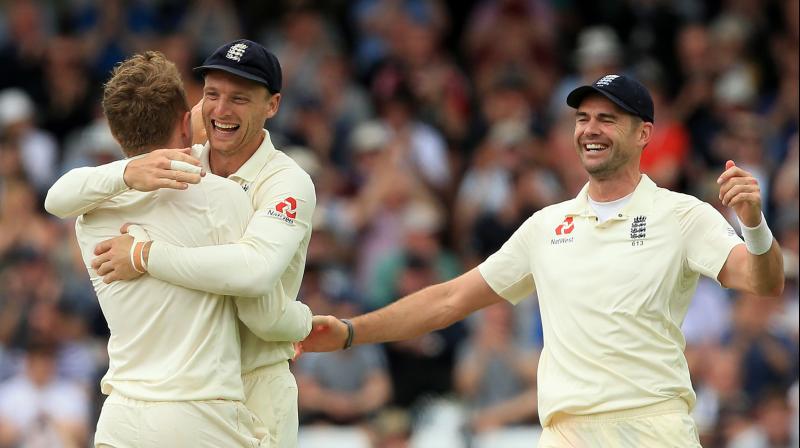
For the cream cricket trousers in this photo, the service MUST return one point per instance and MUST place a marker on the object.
(662, 425)
(129, 423)
(271, 394)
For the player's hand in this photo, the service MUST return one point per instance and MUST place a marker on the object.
(740, 191)
(113, 260)
(163, 168)
(327, 334)
(298, 351)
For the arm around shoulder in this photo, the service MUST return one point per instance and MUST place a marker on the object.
(81, 190)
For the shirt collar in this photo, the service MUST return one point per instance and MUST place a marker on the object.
(249, 171)
(640, 201)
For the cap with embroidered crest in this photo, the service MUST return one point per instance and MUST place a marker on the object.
(247, 59)
(625, 92)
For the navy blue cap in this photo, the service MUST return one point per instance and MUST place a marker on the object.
(623, 91)
(247, 59)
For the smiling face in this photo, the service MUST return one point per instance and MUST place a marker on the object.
(609, 141)
(234, 111)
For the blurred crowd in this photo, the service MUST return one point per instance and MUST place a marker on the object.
(432, 129)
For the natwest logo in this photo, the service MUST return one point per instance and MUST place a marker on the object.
(566, 227)
(288, 207)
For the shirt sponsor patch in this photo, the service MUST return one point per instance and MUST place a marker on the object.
(566, 227)
(286, 210)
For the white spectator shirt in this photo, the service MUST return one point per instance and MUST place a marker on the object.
(22, 403)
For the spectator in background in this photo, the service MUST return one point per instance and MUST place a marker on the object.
(92, 145)
(717, 374)
(38, 151)
(179, 47)
(532, 188)
(768, 359)
(440, 89)
(343, 388)
(38, 409)
(302, 43)
(432, 353)
(22, 55)
(513, 37)
(421, 225)
(665, 157)
(386, 189)
(598, 51)
(486, 184)
(495, 376)
(112, 30)
(71, 101)
(506, 100)
(210, 23)
(21, 225)
(374, 23)
(774, 418)
(693, 96)
(418, 147)
(345, 102)
(783, 113)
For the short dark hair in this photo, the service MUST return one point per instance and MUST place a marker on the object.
(143, 100)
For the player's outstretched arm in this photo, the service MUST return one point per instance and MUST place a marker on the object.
(756, 266)
(84, 189)
(429, 309)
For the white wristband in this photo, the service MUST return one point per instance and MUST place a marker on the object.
(758, 239)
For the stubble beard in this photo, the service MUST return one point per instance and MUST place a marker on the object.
(609, 167)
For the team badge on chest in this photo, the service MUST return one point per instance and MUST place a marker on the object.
(638, 230)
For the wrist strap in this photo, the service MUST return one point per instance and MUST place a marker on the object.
(141, 255)
(136, 257)
(349, 342)
(758, 239)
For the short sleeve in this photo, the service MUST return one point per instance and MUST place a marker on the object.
(708, 239)
(508, 271)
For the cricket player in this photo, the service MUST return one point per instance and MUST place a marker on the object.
(241, 91)
(174, 354)
(614, 269)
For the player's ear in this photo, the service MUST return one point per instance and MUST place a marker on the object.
(645, 133)
(186, 127)
(197, 125)
(273, 103)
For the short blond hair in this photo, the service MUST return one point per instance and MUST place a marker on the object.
(142, 101)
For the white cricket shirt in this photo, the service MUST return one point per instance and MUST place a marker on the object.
(170, 343)
(269, 260)
(612, 295)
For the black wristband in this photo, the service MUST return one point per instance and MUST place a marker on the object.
(349, 341)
